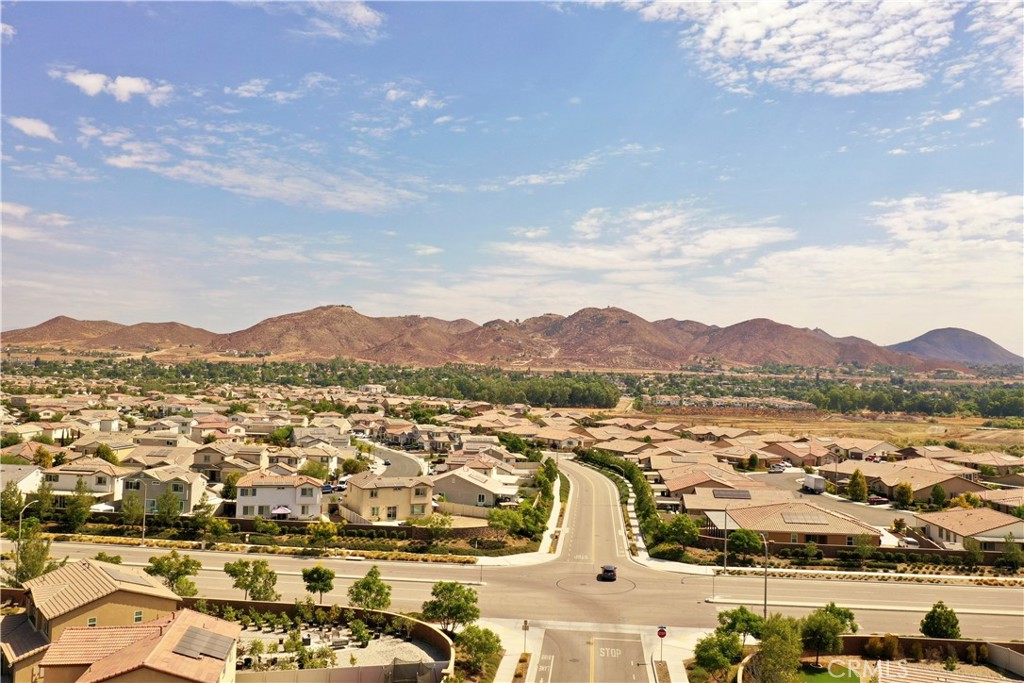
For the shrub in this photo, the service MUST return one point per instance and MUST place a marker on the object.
(982, 653)
(891, 647)
(668, 551)
(873, 648)
(971, 655)
(916, 651)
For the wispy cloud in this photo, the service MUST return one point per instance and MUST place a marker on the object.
(61, 168)
(7, 33)
(349, 21)
(425, 249)
(577, 168)
(33, 127)
(23, 224)
(121, 88)
(258, 88)
(832, 48)
(530, 233)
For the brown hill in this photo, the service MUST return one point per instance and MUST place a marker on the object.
(61, 330)
(612, 338)
(145, 336)
(682, 332)
(958, 346)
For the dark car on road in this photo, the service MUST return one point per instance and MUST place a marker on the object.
(607, 573)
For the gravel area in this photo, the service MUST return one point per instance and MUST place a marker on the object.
(383, 650)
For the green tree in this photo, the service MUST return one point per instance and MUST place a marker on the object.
(47, 503)
(131, 509)
(681, 529)
(10, 439)
(752, 462)
(230, 490)
(716, 651)
(354, 466)
(478, 645)
(11, 501)
(105, 452)
(175, 571)
(255, 578)
(844, 615)
(973, 555)
(744, 542)
(1013, 556)
(322, 534)
(440, 525)
(857, 489)
(32, 555)
(265, 526)
(76, 509)
(821, 631)
(370, 592)
(741, 621)
(109, 559)
(168, 508)
(903, 495)
(778, 657)
(281, 436)
(938, 496)
(1018, 512)
(505, 520)
(941, 622)
(451, 605)
(317, 470)
(43, 457)
(318, 579)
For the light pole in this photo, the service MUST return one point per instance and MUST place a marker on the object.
(144, 491)
(725, 555)
(17, 554)
(764, 539)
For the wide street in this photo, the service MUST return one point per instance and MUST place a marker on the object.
(564, 591)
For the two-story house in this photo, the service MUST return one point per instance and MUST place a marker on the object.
(270, 496)
(87, 594)
(104, 481)
(468, 487)
(187, 485)
(389, 498)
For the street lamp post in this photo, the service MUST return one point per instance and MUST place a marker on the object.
(144, 492)
(725, 555)
(17, 554)
(764, 539)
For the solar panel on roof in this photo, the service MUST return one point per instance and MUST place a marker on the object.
(804, 518)
(734, 494)
(124, 577)
(197, 642)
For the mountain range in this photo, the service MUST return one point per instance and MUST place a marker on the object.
(610, 338)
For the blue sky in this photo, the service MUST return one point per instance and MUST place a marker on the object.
(855, 167)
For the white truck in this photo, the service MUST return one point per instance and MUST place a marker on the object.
(814, 483)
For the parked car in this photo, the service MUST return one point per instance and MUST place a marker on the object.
(326, 488)
(776, 469)
(877, 500)
(608, 573)
(387, 462)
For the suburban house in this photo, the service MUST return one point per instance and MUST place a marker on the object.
(187, 485)
(158, 456)
(182, 646)
(989, 527)
(704, 501)
(104, 481)
(1004, 500)
(278, 497)
(802, 453)
(87, 594)
(859, 449)
(994, 461)
(27, 477)
(469, 487)
(795, 522)
(922, 482)
(27, 451)
(389, 498)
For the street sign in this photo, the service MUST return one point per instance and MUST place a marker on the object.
(662, 632)
(526, 625)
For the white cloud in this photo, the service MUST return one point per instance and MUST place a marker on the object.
(254, 87)
(7, 32)
(23, 224)
(440, 120)
(33, 127)
(575, 100)
(311, 82)
(425, 249)
(897, 151)
(579, 167)
(833, 48)
(122, 88)
(350, 21)
(410, 92)
(529, 233)
(61, 168)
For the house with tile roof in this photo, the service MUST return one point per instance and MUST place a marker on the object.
(795, 522)
(391, 499)
(86, 594)
(182, 646)
(1004, 500)
(271, 496)
(104, 481)
(469, 487)
(186, 485)
(989, 527)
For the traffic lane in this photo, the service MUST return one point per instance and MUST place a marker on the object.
(595, 528)
(578, 656)
(402, 464)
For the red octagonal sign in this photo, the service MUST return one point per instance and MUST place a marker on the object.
(662, 632)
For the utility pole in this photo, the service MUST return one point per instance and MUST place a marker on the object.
(725, 555)
(764, 539)
(144, 492)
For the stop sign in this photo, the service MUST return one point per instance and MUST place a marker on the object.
(662, 632)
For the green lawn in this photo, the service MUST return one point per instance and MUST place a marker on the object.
(837, 674)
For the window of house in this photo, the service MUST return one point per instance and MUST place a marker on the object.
(419, 491)
(178, 488)
(181, 506)
(101, 481)
(481, 498)
(304, 510)
(306, 492)
(417, 509)
(91, 622)
(132, 485)
(793, 538)
(52, 477)
(206, 458)
(373, 493)
(375, 512)
(263, 510)
(247, 510)
(849, 540)
(138, 616)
